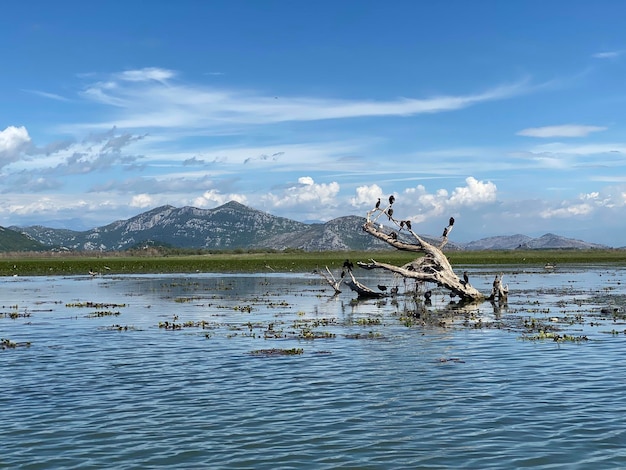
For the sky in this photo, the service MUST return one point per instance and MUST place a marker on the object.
(508, 115)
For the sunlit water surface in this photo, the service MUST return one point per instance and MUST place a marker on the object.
(109, 386)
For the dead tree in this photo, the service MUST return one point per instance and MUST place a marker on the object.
(433, 266)
(334, 283)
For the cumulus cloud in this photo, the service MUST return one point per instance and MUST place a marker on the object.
(213, 198)
(307, 193)
(568, 210)
(141, 201)
(566, 130)
(13, 141)
(425, 204)
(366, 196)
(474, 193)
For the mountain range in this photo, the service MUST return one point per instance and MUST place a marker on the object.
(235, 226)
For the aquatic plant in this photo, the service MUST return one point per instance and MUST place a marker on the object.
(543, 335)
(277, 352)
(8, 344)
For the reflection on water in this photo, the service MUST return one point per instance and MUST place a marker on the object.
(377, 384)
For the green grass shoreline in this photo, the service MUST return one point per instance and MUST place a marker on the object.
(37, 264)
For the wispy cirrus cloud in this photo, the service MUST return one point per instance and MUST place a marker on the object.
(608, 54)
(45, 94)
(154, 98)
(566, 130)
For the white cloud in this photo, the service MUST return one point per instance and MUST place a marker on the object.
(476, 192)
(366, 196)
(141, 201)
(566, 130)
(306, 193)
(213, 198)
(151, 101)
(608, 54)
(570, 210)
(52, 96)
(146, 74)
(12, 141)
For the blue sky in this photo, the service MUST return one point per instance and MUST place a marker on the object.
(508, 115)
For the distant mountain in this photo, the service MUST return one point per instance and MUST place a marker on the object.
(227, 227)
(523, 242)
(235, 226)
(10, 240)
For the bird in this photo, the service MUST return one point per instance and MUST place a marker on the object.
(408, 224)
(390, 212)
(382, 288)
(378, 203)
(445, 232)
(394, 235)
(392, 199)
(347, 264)
(451, 221)
(401, 224)
(465, 278)
(428, 294)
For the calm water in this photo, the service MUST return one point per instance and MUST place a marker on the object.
(370, 391)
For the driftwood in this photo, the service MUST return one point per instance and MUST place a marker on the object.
(433, 266)
(362, 290)
(334, 283)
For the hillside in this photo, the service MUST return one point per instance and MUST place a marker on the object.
(11, 240)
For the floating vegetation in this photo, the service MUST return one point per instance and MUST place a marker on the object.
(368, 321)
(307, 333)
(243, 308)
(560, 338)
(15, 314)
(103, 313)
(118, 328)
(8, 344)
(182, 300)
(370, 335)
(166, 325)
(277, 352)
(94, 305)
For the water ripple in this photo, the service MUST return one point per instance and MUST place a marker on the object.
(86, 397)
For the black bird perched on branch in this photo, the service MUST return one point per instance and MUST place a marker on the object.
(451, 221)
(392, 199)
(408, 224)
(465, 278)
(382, 288)
(378, 203)
(401, 224)
(445, 232)
(394, 235)
(347, 264)
(390, 212)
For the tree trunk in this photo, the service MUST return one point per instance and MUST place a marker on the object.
(433, 266)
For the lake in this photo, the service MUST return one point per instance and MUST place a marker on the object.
(272, 370)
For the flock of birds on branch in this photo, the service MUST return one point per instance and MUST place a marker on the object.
(407, 223)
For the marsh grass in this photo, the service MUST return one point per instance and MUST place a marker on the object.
(37, 264)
